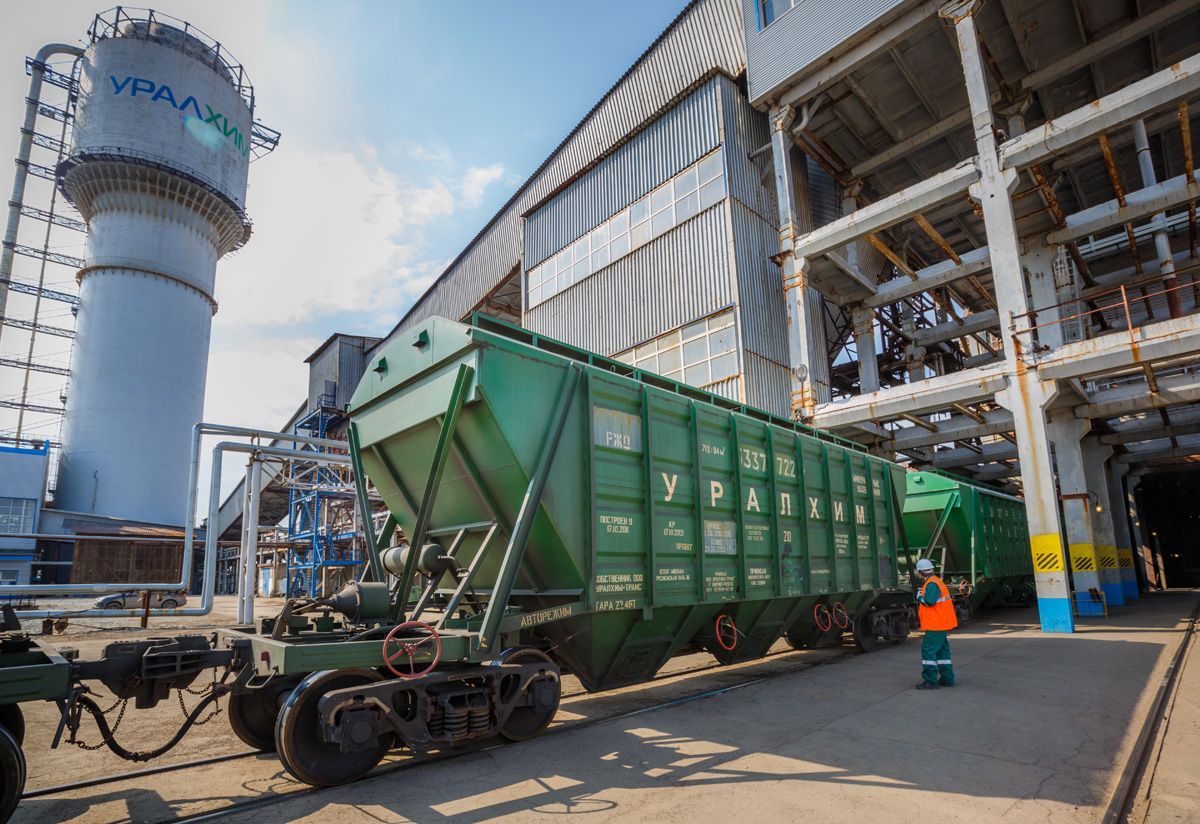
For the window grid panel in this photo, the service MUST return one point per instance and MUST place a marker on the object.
(700, 354)
(16, 514)
(679, 199)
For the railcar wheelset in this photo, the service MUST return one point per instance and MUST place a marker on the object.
(302, 748)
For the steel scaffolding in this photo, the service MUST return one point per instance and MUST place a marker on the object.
(322, 520)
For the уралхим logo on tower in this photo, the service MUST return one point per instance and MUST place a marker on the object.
(194, 120)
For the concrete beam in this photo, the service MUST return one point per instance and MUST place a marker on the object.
(1160, 454)
(987, 453)
(1156, 431)
(804, 88)
(943, 127)
(851, 271)
(1164, 340)
(931, 277)
(1083, 124)
(932, 395)
(999, 472)
(1038, 79)
(1129, 398)
(1139, 204)
(882, 214)
(956, 428)
(1124, 35)
(970, 325)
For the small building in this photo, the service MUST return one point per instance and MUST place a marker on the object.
(23, 474)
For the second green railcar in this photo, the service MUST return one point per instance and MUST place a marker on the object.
(977, 537)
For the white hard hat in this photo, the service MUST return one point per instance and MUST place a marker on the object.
(924, 565)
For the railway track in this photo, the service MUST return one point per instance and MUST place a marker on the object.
(411, 762)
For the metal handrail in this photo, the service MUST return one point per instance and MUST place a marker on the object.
(1122, 304)
(1193, 269)
(102, 27)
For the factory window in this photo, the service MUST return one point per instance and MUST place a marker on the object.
(681, 198)
(16, 514)
(773, 9)
(699, 354)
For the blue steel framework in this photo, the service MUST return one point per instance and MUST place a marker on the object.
(317, 496)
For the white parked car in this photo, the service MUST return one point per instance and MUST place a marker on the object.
(133, 600)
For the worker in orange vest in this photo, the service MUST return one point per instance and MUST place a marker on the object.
(935, 609)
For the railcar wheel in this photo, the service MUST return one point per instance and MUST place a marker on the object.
(864, 632)
(301, 748)
(252, 715)
(12, 773)
(542, 696)
(13, 720)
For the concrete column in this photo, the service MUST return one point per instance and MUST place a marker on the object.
(1026, 396)
(863, 318)
(1066, 432)
(808, 355)
(1095, 455)
(1119, 515)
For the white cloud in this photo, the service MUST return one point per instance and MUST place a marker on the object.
(476, 181)
(255, 383)
(435, 155)
(337, 233)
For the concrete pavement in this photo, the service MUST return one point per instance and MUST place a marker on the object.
(1039, 727)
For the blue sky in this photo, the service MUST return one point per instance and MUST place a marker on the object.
(406, 125)
(439, 93)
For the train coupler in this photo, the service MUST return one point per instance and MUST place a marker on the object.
(147, 670)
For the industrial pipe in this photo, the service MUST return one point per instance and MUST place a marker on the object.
(244, 543)
(250, 533)
(210, 543)
(17, 199)
(189, 526)
(1162, 243)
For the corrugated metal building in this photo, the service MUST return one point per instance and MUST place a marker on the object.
(648, 233)
(335, 369)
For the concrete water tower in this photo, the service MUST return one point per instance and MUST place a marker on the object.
(161, 144)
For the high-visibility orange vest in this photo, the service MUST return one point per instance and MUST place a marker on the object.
(939, 616)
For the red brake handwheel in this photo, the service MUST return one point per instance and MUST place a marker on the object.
(840, 616)
(406, 647)
(727, 634)
(821, 611)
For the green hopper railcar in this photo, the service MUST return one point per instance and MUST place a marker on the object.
(977, 537)
(564, 513)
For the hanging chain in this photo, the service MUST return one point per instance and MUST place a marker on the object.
(201, 722)
(114, 706)
(124, 702)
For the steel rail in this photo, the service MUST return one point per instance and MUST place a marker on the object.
(128, 776)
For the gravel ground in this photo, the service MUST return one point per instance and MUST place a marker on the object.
(224, 613)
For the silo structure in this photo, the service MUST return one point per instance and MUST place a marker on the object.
(160, 152)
